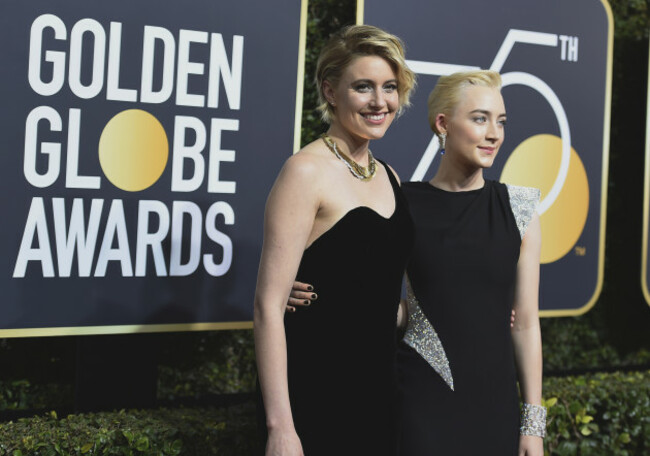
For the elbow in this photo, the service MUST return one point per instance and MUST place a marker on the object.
(263, 313)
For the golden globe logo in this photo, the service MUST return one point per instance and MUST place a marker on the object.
(133, 152)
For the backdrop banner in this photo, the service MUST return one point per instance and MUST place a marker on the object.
(139, 142)
(555, 60)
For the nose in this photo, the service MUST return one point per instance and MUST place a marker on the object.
(494, 131)
(378, 100)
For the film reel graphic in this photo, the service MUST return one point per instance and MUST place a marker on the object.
(545, 161)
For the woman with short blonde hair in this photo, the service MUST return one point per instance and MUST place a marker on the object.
(476, 257)
(337, 216)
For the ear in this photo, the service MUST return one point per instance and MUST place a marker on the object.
(441, 123)
(328, 93)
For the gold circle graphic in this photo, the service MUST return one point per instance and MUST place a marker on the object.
(133, 150)
(535, 163)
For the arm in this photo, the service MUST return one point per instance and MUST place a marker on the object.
(290, 211)
(526, 334)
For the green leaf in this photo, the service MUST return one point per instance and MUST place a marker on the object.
(129, 436)
(142, 444)
(548, 403)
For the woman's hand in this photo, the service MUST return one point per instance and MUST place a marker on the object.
(530, 445)
(302, 295)
(283, 443)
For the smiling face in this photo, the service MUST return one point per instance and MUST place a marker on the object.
(365, 99)
(476, 128)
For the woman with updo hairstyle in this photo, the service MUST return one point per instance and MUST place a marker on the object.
(475, 258)
(337, 216)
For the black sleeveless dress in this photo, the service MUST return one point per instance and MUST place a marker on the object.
(456, 362)
(341, 349)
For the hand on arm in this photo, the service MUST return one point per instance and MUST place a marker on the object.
(302, 295)
(526, 334)
(290, 212)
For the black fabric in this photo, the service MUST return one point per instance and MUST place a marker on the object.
(463, 271)
(341, 349)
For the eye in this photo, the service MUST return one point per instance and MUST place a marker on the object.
(363, 87)
(390, 88)
(480, 119)
(503, 122)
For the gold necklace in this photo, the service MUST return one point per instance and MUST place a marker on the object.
(358, 171)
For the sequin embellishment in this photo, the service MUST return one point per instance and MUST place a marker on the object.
(523, 201)
(421, 336)
(533, 420)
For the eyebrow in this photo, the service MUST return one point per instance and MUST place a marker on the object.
(486, 112)
(369, 81)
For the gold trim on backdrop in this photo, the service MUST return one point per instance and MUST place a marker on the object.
(121, 329)
(605, 172)
(302, 42)
(646, 200)
(360, 11)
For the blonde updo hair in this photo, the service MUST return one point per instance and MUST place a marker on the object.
(355, 41)
(446, 95)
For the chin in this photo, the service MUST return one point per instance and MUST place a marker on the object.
(486, 162)
(375, 134)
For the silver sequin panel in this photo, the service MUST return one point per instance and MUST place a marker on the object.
(421, 336)
(523, 201)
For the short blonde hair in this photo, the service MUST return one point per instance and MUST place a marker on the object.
(355, 41)
(446, 95)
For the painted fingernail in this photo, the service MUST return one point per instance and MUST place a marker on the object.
(292, 309)
(306, 302)
(314, 296)
(310, 288)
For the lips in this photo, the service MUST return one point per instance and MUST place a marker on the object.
(488, 150)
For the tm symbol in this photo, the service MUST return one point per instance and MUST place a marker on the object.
(580, 251)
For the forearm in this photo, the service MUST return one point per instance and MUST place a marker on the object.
(528, 357)
(271, 354)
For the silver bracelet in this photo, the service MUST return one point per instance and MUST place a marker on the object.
(533, 420)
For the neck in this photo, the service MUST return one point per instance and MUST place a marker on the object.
(455, 178)
(354, 147)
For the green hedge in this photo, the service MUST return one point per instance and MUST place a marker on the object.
(23, 394)
(162, 432)
(597, 414)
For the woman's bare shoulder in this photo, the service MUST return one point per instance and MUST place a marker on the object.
(309, 162)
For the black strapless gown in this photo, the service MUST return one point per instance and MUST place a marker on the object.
(341, 349)
(462, 273)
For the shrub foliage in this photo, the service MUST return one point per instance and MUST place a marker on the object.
(596, 414)
(162, 432)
